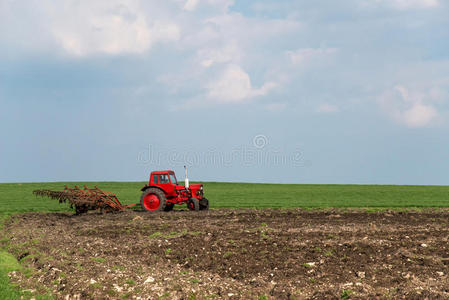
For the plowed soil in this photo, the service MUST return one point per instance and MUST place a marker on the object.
(237, 254)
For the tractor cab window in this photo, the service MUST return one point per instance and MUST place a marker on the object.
(154, 179)
(163, 178)
(173, 179)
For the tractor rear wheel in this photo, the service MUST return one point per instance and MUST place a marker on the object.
(153, 199)
(193, 204)
(204, 204)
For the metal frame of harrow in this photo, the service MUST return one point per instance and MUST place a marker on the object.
(85, 199)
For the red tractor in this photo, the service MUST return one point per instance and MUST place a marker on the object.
(163, 192)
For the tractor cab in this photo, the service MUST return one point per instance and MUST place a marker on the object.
(165, 180)
(163, 177)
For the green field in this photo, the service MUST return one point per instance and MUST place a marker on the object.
(18, 197)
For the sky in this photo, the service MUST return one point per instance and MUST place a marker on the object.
(291, 91)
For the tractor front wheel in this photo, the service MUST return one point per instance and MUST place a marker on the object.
(193, 204)
(153, 199)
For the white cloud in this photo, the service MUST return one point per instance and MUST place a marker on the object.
(211, 56)
(409, 4)
(327, 108)
(190, 5)
(222, 43)
(110, 27)
(83, 28)
(234, 85)
(409, 108)
(248, 32)
(305, 55)
(419, 115)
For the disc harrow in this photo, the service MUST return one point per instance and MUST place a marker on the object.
(85, 199)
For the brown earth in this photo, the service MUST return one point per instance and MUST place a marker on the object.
(248, 254)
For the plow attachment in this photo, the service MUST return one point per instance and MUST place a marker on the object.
(85, 199)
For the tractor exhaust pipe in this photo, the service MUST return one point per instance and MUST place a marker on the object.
(186, 181)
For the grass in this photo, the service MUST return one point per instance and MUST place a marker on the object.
(17, 197)
(8, 263)
(98, 259)
(345, 294)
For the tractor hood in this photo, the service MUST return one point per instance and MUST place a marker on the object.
(191, 187)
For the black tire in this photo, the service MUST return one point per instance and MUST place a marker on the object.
(204, 204)
(159, 194)
(169, 207)
(193, 204)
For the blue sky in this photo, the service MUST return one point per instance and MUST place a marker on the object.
(353, 91)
